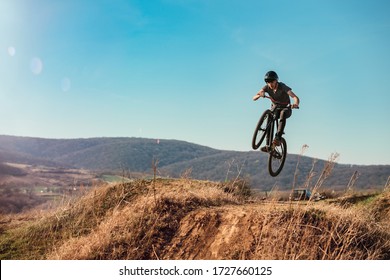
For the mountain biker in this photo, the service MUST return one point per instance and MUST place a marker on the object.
(280, 95)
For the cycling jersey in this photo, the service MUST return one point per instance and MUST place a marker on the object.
(280, 97)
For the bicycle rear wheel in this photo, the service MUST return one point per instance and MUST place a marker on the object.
(276, 158)
(261, 129)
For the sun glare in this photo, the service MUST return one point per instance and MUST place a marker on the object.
(36, 65)
(65, 84)
(11, 51)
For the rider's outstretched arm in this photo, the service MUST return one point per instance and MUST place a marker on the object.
(295, 97)
(261, 93)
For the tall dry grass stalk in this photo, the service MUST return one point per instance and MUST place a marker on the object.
(387, 185)
(326, 172)
(311, 175)
(303, 149)
(352, 181)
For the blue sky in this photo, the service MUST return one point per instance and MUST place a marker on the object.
(187, 70)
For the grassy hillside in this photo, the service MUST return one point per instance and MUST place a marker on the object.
(190, 219)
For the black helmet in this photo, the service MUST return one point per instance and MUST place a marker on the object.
(271, 76)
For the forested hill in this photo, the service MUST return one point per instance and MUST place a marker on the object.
(178, 158)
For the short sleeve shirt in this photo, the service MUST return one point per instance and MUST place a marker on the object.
(280, 96)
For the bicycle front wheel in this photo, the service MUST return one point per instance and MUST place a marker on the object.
(261, 129)
(276, 158)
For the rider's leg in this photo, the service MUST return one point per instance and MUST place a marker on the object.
(284, 114)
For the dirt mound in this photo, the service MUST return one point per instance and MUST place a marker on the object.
(186, 219)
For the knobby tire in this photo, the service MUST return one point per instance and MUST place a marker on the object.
(277, 158)
(261, 129)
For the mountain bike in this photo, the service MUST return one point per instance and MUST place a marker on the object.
(266, 127)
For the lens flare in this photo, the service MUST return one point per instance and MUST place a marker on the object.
(65, 84)
(36, 65)
(11, 51)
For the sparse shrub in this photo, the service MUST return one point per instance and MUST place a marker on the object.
(12, 200)
(240, 187)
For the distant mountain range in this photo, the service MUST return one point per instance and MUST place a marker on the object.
(178, 158)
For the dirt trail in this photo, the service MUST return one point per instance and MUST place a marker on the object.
(216, 233)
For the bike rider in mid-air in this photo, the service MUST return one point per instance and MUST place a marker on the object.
(280, 95)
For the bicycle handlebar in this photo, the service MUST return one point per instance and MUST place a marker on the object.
(280, 103)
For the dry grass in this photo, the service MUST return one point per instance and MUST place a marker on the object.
(188, 219)
(321, 233)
